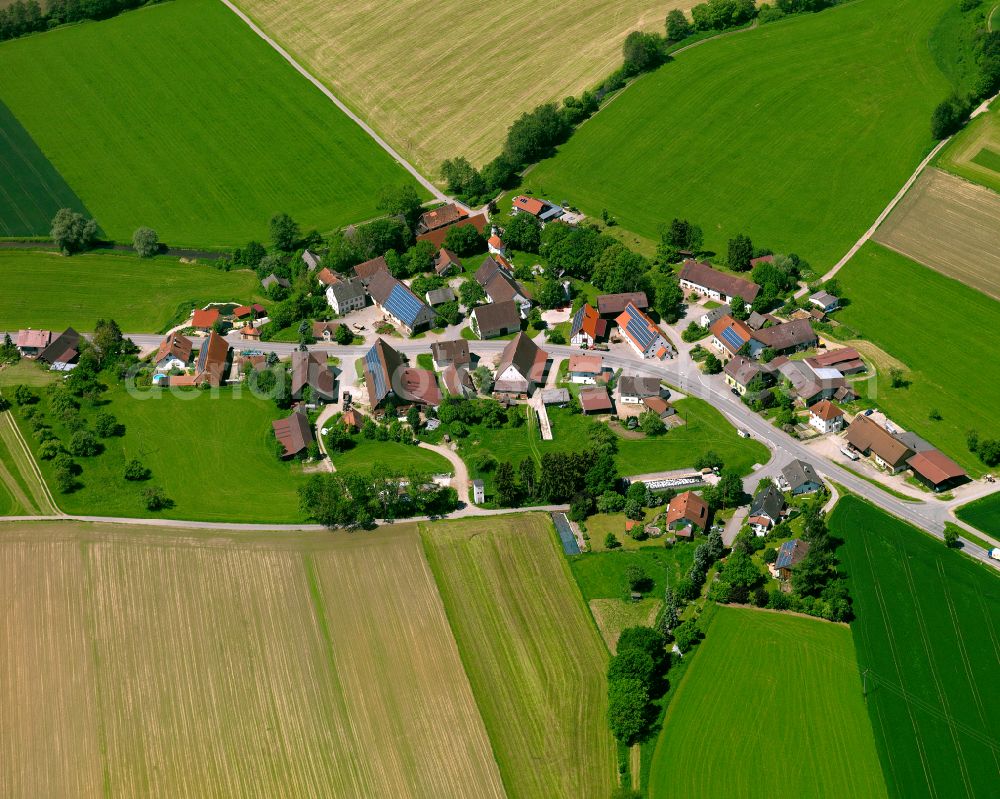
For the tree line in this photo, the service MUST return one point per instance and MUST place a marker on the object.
(27, 16)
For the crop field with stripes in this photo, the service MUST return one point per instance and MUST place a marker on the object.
(770, 706)
(927, 636)
(533, 655)
(163, 663)
(177, 116)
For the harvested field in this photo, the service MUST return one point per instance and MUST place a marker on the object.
(532, 653)
(950, 225)
(440, 80)
(614, 615)
(974, 153)
(166, 664)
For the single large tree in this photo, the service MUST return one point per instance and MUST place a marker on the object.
(145, 242)
(284, 232)
(72, 232)
(740, 253)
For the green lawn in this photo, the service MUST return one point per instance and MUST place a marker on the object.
(945, 333)
(706, 429)
(213, 456)
(178, 117)
(797, 133)
(601, 575)
(769, 706)
(534, 657)
(30, 373)
(31, 189)
(927, 632)
(47, 290)
(983, 513)
(403, 457)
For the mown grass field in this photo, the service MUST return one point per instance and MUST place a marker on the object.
(178, 117)
(31, 189)
(213, 456)
(797, 133)
(983, 513)
(429, 101)
(401, 457)
(21, 489)
(974, 153)
(533, 655)
(47, 290)
(928, 634)
(943, 331)
(770, 706)
(950, 225)
(189, 663)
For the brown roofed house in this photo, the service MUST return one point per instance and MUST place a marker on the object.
(687, 513)
(203, 319)
(63, 350)
(521, 366)
(174, 352)
(439, 217)
(446, 353)
(795, 335)
(703, 279)
(446, 262)
(212, 357)
(458, 381)
(294, 433)
(936, 469)
(367, 270)
(310, 369)
(325, 331)
(610, 305)
(496, 319)
(437, 237)
(870, 438)
(595, 400)
(31, 342)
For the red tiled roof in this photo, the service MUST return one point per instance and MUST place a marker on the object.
(595, 399)
(437, 237)
(441, 217)
(176, 346)
(614, 304)
(739, 328)
(34, 339)
(935, 466)
(591, 364)
(826, 410)
(689, 507)
(249, 330)
(241, 310)
(204, 319)
(495, 241)
(326, 277)
(530, 205)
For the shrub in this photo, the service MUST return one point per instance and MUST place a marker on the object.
(687, 634)
(135, 471)
(106, 425)
(611, 542)
(84, 444)
(155, 498)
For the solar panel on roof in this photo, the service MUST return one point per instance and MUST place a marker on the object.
(403, 305)
(577, 322)
(637, 328)
(378, 375)
(732, 338)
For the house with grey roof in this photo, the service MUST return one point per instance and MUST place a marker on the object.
(801, 478)
(345, 296)
(766, 510)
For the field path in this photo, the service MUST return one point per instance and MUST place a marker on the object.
(43, 501)
(434, 190)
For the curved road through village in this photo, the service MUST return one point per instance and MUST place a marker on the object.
(681, 373)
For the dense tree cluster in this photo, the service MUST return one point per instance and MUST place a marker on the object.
(988, 449)
(28, 16)
(356, 499)
(72, 232)
(636, 675)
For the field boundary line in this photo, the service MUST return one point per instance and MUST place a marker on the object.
(33, 465)
(434, 190)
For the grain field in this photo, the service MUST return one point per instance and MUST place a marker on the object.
(950, 225)
(439, 80)
(138, 663)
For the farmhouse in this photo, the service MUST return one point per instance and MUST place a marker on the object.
(936, 470)
(394, 297)
(293, 433)
(766, 510)
(447, 353)
(521, 366)
(702, 279)
(801, 477)
(826, 417)
(740, 372)
(446, 262)
(644, 336)
(310, 259)
(588, 369)
(367, 270)
(729, 336)
(824, 301)
(458, 381)
(687, 514)
(595, 400)
(309, 369)
(438, 235)
(610, 306)
(386, 375)
(436, 297)
(633, 390)
(543, 210)
(588, 327)
(710, 317)
(756, 321)
(30, 343)
(255, 311)
(62, 352)
(326, 277)
(501, 287)
(345, 296)
(790, 554)
(869, 438)
(212, 360)
(660, 407)
(496, 246)
(174, 353)
(809, 384)
(273, 280)
(325, 331)
(489, 268)
(845, 360)
(496, 319)
(440, 217)
(204, 319)
(789, 337)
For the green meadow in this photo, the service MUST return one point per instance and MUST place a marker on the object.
(46, 290)
(770, 706)
(927, 636)
(400, 457)
(179, 117)
(797, 132)
(983, 513)
(214, 456)
(945, 333)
